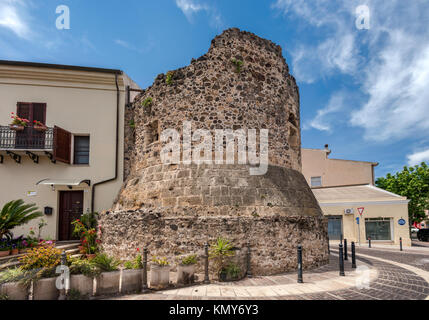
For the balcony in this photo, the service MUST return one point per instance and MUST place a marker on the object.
(55, 143)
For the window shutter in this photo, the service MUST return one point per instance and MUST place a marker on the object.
(23, 110)
(62, 145)
(39, 112)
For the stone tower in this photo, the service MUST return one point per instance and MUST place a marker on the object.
(243, 82)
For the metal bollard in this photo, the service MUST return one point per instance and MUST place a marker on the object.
(145, 287)
(329, 248)
(346, 256)
(340, 257)
(400, 243)
(249, 271)
(353, 255)
(206, 264)
(369, 242)
(300, 280)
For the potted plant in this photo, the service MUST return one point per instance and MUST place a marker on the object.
(132, 274)
(38, 126)
(186, 270)
(220, 252)
(108, 280)
(18, 124)
(4, 248)
(159, 273)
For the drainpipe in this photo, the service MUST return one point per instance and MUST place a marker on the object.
(117, 147)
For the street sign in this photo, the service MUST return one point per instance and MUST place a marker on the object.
(361, 210)
(402, 222)
(357, 220)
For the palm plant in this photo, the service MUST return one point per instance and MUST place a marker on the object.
(220, 251)
(16, 213)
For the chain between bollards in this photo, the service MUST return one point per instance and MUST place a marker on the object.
(145, 287)
(400, 244)
(353, 255)
(249, 265)
(346, 256)
(340, 257)
(300, 280)
(206, 264)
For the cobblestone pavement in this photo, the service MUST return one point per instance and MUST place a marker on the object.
(393, 282)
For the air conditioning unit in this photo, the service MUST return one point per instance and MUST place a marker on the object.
(349, 211)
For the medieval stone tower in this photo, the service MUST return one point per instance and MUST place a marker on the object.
(243, 82)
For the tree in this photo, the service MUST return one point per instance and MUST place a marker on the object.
(413, 183)
(16, 213)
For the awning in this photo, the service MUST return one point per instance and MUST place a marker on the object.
(63, 182)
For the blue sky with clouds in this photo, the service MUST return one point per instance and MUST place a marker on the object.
(364, 92)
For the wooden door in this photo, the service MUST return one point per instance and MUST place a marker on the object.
(71, 208)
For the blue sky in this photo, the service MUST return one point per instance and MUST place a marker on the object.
(364, 92)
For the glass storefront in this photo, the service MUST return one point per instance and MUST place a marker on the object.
(378, 228)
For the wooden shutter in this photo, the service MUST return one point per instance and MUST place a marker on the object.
(39, 112)
(62, 145)
(23, 110)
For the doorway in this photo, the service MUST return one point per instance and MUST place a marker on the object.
(335, 227)
(70, 209)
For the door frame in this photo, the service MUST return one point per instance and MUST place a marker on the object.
(59, 219)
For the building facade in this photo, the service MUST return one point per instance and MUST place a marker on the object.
(73, 166)
(355, 208)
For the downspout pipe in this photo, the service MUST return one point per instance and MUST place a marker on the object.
(117, 146)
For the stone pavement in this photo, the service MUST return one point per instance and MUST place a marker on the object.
(394, 276)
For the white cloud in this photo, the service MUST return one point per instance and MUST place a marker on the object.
(13, 18)
(389, 62)
(418, 157)
(324, 118)
(192, 7)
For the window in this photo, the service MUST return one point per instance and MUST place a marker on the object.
(316, 182)
(378, 229)
(81, 150)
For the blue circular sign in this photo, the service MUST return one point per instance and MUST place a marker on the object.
(402, 222)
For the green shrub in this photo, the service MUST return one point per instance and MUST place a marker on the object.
(238, 65)
(192, 259)
(219, 252)
(162, 262)
(106, 263)
(169, 79)
(233, 271)
(136, 263)
(4, 297)
(147, 102)
(83, 266)
(12, 275)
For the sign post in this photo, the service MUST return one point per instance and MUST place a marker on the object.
(358, 226)
(358, 220)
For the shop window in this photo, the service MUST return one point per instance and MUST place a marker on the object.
(316, 182)
(378, 229)
(81, 150)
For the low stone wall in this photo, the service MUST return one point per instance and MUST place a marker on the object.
(273, 239)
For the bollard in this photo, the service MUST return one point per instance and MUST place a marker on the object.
(369, 242)
(249, 271)
(340, 257)
(144, 285)
(329, 248)
(300, 280)
(206, 264)
(353, 255)
(400, 243)
(346, 256)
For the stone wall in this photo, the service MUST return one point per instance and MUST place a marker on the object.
(174, 209)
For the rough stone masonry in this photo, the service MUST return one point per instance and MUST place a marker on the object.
(175, 209)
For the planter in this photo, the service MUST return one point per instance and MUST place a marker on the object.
(16, 127)
(40, 128)
(159, 276)
(14, 291)
(108, 283)
(131, 281)
(45, 289)
(14, 252)
(4, 253)
(82, 283)
(185, 274)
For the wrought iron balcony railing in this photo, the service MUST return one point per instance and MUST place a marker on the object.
(28, 139)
